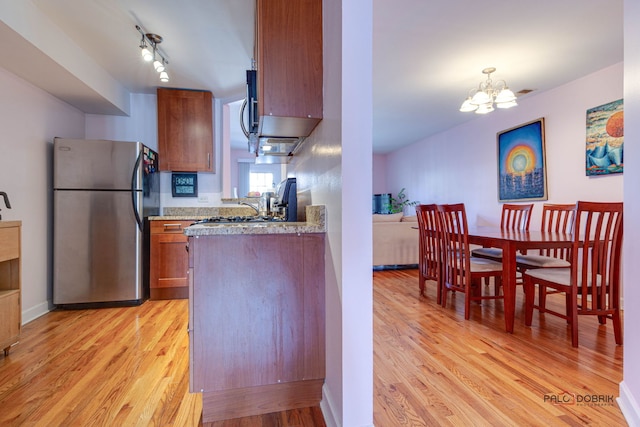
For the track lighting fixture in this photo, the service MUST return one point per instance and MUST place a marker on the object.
(150, 52)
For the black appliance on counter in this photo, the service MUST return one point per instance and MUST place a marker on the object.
(287, 200)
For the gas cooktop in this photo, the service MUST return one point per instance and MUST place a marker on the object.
(238, 219)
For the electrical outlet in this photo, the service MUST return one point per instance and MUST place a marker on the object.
(203, 199)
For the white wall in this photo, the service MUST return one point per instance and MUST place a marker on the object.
(630, 387)
(339, 176)
(460, 165)
(380, 174)
(30, 119)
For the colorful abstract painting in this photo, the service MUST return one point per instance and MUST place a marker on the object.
(605, 139)
(521, 163)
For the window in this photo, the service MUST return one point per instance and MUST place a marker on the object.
(260, 178)
(260, 181)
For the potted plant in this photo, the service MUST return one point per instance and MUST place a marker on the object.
(399, 203)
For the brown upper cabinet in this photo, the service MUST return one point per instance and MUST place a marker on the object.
(185, 130)
(289, 44)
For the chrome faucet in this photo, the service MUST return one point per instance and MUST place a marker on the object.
(6, 200)
(251, 206)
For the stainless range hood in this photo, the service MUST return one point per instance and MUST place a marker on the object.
(280, 137)
(273, 139)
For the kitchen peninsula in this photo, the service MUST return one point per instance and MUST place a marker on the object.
(257, 316)
(168, 257)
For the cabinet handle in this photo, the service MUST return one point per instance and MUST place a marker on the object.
(208, 160)
(178, 226)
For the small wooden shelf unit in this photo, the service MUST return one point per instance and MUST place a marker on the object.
(10, 284)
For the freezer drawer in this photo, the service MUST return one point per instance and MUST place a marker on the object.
(97, 247)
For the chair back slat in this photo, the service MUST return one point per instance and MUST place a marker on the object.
(558, 218)
(516, 217)
(455, 240)
(429, 249)
(596, 251)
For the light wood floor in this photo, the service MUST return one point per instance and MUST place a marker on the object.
(129, 367)
(431, 367)
(111, 367)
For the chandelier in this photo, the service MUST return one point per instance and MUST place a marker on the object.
(482, 98)
(150, 52)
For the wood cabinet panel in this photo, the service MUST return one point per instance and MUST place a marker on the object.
(9, 243)
(9, 317)
(10, 284)
(256, 312)
(185, 130)
(169, 260)
(289, 40)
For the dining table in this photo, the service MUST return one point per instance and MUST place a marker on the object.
(511, 242)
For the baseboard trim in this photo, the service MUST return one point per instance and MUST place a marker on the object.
(327, 406)
(629, 406)
(36, 311)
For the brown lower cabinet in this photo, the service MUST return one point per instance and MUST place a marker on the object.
(169, 260)
(256, 323)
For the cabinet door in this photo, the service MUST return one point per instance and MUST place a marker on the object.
(290, 58)
(185, 130)
(9, 317)
(169, 260)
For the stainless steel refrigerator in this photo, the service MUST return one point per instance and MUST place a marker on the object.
(103, 191)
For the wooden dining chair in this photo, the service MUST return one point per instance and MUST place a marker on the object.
(592, 283)
(513, 218)
(429, 253)
(460, 271)
(556, 218)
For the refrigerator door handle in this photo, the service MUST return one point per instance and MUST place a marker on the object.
(134, 204)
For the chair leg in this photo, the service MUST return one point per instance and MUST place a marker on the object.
(476, 289)
(572, 314)
(497, 285)
(601, 319)
(617, 327)
(421, 280)
(542, 297)
(528, 300)
(467, 306)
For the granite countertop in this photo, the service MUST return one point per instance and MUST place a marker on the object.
(187, 214)
(316, 223)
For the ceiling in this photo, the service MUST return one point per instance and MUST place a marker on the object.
(427, 55)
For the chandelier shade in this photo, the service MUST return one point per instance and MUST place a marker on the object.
(482, 99)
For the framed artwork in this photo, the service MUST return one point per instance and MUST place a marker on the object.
(605, 139)
(522, 171)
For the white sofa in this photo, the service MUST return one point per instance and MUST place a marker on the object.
(395, 240)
